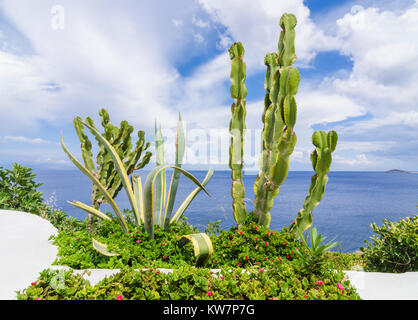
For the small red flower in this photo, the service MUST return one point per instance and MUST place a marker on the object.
(77, 238)
(266, 243)
(119, 298)
(214, 261)
(241, 232)
(257, 262)
(266, 258)
(138, 241)
(261, 270)
(33, 283)
(239, 264)
(255, 227)
(158, 271)
(222, 277)
(38, 298)
(165, 257)
(210, 293)
(288, 257)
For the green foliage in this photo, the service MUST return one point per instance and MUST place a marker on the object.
(18, 190)
(134, 248)
(253, 245)
(314, 256)
(394, 246)
(186, 283)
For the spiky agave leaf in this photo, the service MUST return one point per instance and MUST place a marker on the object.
(191, 196)
(149, 194)
(120, 169)
(91, 176)
(161, 178)
(175, 178)
(102, 248)
(203, 248)
(90, 210)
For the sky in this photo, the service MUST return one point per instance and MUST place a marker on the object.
(149, 60)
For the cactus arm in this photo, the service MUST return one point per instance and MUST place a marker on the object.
(279, 118)
(321, 162)
(236, 128)
(86, 146)
(175, 178)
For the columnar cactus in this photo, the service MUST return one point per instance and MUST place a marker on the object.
(321, 162)
(121, 141)
(278, 137)
(236, 128)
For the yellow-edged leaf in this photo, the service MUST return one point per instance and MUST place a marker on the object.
(90, 209)
(91, 176)
(203, 248)
(102, 248)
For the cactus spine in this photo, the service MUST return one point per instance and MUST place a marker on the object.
(279, 118)
(321, 162)
(120, 139)
(236, 128)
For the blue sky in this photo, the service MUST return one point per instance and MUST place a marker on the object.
(144, 60)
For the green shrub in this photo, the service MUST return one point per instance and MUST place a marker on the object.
(252, 245)
(394, 248)
(136, 250)
(18, 190)
(186, 283)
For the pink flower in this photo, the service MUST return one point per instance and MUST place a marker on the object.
(246, 257)
(288, 257)
(320, 283)
(38, 298)
(239, 264)
(280, 259)
(33, 283)
(210, 293)
(222, 277)
(261, 270)
(137, 231)
(138, 241)
(214, 261)
(256, 238)
(340, 286)
(306, 297)
(165, 257)
(158, 271)
(241, 232)
(77, 238)
(119, 298)
(266, 243)
(257, 262)
(255, 227)
(266, 258)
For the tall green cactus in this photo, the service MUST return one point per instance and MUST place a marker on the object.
(278, 136)
(279, 118)
(236, 128)
(120, 139)
(321, 162)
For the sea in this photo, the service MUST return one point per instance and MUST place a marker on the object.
(351, 203)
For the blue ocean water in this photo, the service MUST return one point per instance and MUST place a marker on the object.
(352, 201)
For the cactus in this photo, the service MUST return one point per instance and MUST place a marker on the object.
(321, 162)
(120, 139)
(236, 128)
(278, 136)
(279, 118)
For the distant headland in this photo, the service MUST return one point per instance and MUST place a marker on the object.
(399, 171)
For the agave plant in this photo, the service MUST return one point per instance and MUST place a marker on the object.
(314, 256)
(149, 207)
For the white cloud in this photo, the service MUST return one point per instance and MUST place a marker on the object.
(25, 140)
